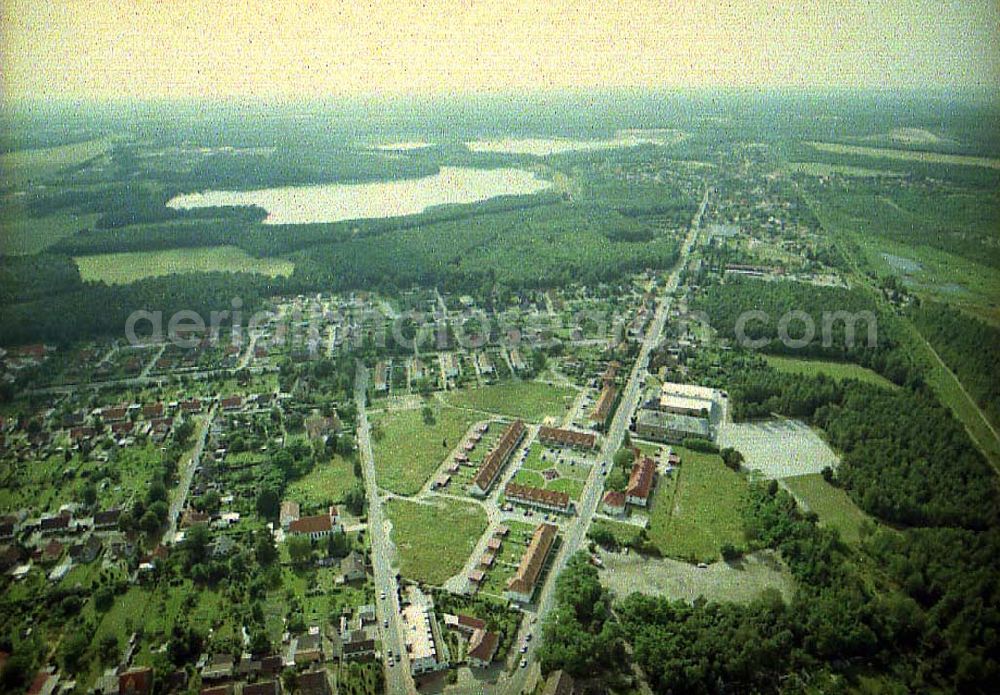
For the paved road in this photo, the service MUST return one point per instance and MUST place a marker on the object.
(575, 534)
(397, 677)
(187, 475)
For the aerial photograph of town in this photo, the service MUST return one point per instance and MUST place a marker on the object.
(528, 348)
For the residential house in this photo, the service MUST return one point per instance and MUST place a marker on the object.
(522, 585)
(554, 436)
(107, 520)
(263, 688)
(605, 402)
(495, 460)
(352, 567)
(136, 681)
(357, 645)
(548, 500)
(613, 503)
(313, 683)
(559, 683)
(309, 648)
(482, 648)
(640, 482)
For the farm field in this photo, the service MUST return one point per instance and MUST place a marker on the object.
(407, 450)
(907, 155)
(835, 370)
(123, 268)
(434, 539)
(325, 484)
(22, 166)
(529, 400)
(834, 507)
(703, 511)
(22, 234)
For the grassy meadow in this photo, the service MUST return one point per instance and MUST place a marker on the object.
(123, 268)
(833, 506)
(835, 370)
(408, 450)
(698, 510)
(529, 400)
(434, 540)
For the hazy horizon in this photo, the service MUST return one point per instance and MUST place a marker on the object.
(294, 51)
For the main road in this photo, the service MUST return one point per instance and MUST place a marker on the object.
(397, 677)
(576, 533)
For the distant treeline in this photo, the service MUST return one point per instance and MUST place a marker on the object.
(514, 243)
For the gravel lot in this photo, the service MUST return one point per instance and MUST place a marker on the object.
(778, 448)
(741, 581)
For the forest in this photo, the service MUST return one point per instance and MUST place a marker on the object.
(831, 337)
(969, 347)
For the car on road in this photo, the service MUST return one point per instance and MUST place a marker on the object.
(702, 565)
(524, 663)
(392, 662)
(524, 648)
(527, 637)
(385, 623)
(382, 596)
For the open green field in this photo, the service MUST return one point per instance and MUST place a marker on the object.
(907, 155)
(529, 400)
(834, 370)
(325, 484)
(408, 451)
(434, 540)
(823, 169)
(123, 268)
(831, 504)
(692, 518)
(22, 234)
(27, 166)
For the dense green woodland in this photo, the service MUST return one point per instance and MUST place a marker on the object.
(969, 347)
(724, 304)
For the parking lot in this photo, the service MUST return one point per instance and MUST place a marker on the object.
(778, 448)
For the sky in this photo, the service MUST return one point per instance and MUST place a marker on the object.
(285, 49)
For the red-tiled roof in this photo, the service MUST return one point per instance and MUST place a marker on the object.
(641, 480)
(613, 498)
(311, 524)
(483, 645)
(604, 402)
(563, 437)
(530, 567)
(136, 681)
(536, 495)
(468, 622)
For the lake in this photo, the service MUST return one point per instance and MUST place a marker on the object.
(352, 201)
